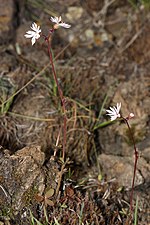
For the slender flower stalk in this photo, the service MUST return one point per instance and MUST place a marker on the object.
(114, 113)
(34, 34)
(62, 98)
(135, 162)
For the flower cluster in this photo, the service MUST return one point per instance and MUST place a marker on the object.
(35, 31)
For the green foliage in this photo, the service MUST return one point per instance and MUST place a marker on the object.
(4, 108)
(50, 85)
(146, 3)
(136, 3)
(34, 221)
(6, 89)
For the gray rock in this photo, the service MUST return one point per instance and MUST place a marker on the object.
(20, 176)
(121, 168)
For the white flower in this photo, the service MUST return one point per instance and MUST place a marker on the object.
(34, 34)
(113, 112)
(59, 22)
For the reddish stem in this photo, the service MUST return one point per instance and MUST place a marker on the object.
(135, 163)
(62, 98)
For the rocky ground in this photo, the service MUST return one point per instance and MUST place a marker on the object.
(104, 58)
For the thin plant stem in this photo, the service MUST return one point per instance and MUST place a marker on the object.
(135, 163)
(62, 98)
(136, 212)
(60, 178)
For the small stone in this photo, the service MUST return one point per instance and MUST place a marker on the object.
(6, 18)
(89, 34)
(74, 13)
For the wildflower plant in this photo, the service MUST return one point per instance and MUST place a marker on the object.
(114, 113)
(35, 33)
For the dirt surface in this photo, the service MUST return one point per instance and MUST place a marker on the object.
(104, 58)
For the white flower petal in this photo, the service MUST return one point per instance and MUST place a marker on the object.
(33, 40)
(109, 112)
(59, 19)
(30, 32)
(112, 109)
(113, 118)
(54, 20)
(34, 26)
(65, 25)
(28, 35)
(118, 106)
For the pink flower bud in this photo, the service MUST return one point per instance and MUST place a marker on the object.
(130, 116)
